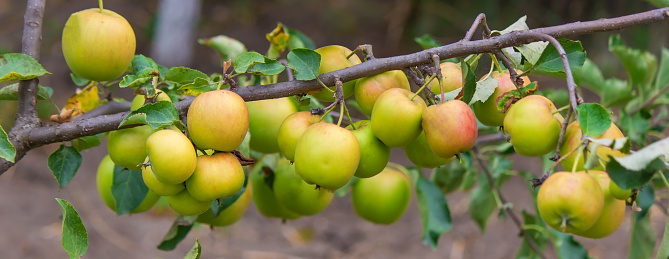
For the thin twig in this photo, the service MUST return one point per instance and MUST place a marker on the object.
(563, 130)
(480, 19)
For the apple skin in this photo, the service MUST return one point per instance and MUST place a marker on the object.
(487, 112)
(295, 194)
(451, 76)
(156, 185)
(172, 155)
(98, 46)
(186, 205)
(576, 198)
(396, 119)
(229, 215)
(217, 176)
(613, 211)
(264, 197)
(265, 118)
(333, 58)
(619, 193)
(533, 128)
(218, 120)
(127, 147)
(327, 155)
(291, 130)
(383, 198)
(420, 154)
(572, 139)
(368, 89)
(450, 128)
(105, 179)
(374, 155)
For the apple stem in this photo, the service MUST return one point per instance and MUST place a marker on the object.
(348, 116)
(563, 225)
(429, 81)
(341, 112)
(100, 4)
(329, 108)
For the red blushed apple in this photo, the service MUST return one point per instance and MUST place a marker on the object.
(450, 128)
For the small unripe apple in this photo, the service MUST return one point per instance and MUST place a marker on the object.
(217, 176)
(451, 77)
(186, 205)
(374, 155)
(383, 198)
(368, 89)
(572, 139)
(218, 120)
(229, 215)
(396, 118)
(173, 158)
(534, 125)
(487, 112)
(266, 117)
(127, 147)
(291, 130)
(420, 154)
(327, 155)
(264, 197)
(139, 100)
(295, 194)
(156, 185)
(450, 128)
(333, 58)
(98, 46)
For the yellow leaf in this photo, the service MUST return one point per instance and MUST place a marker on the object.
(84, 101)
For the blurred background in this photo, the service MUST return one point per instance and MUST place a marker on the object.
(168, 30)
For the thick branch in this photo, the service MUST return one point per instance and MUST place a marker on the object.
(34, 137)
(32, 39)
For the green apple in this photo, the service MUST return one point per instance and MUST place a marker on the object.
(534, 125)
(172, 155)
(487, 112)
(374, 155)
(451, 77)
(217, 176)
(295, 194)
(572, 140)
(264, 197)
(229, 215)
(291, 130)
(105, 179)
(156, 185)
(266, 117)
(186, 205)
(139, 100)
(333, 58)
(396, 118)
(327, 155)
(450, 128)
(618, 192)
(98, 46)
(368, 89)
(218, 120)
(613, 211)
(420, 154)
(127, 147)
(383, 198)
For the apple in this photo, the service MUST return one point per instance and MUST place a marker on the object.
(327, 155)
(173, 158)
(217, 176)
(613, 211)
(264, 197)
(451, 77)
(156, 185)
(618, 192)
(374, 155)
(229, 215)
(572, 140)
(396, 118)
(383, 198)
(104, 180)
(333, 58)
(368, 89)
(127, 147)
(218, 120)
(295, 194)
(291, 130)
(534, 125)
(420, 154)
(139, 99)
(98, 46)
(186, 205)
(266, 117)
(450, 128)
(487, 112)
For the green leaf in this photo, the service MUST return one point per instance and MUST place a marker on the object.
(484, 89)
(434, 213)
(269, 67)
(448, 177)
(64, 163)
(7, 150)
(133, 81)
(299, 40)
(178, 231)
(663, 72)
(19, 66)
(195, 252)
(74, 237)
(469, 85)
(157, 115)
(503, 103)
(566, 247)
(199, 86)
(626, 178)
(642, 158)
(244, 61)
(635, 126)
(593, 118)
(659, 4)
(482, 202)
(642, 237)
(305, 63)
(663, 251)
(550, 60)
(227, 48)
(87, 142)
(427, 41)
(645, 199)
(128, 189)
(144, 66)
(184, 75)
(641, 65)
(11, 92)
(531, 51)
(79, 81)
